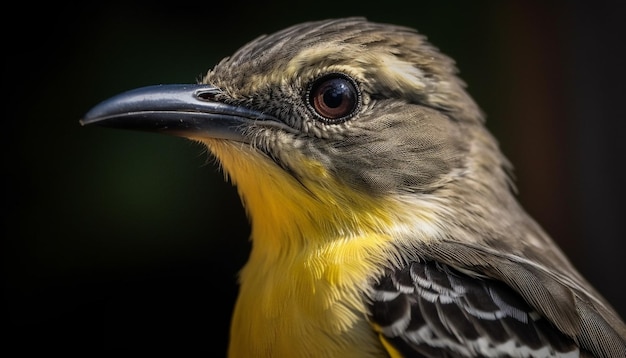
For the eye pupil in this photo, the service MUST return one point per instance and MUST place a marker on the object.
(335, 94)
(333, 98)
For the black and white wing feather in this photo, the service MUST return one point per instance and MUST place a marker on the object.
(428, 309)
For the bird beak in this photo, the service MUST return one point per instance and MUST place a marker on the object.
(183, 110)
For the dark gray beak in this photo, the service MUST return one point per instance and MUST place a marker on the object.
(181, 110)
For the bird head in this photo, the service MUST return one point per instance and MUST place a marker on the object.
(326, 116)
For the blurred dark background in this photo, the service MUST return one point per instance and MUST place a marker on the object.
(118, 240)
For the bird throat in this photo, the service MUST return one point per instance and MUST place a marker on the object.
(285, 211)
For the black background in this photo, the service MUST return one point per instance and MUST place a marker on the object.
(118, 240)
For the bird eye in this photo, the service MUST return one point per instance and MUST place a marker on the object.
(333, 98)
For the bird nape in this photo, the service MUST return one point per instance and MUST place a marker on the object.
(382, 217)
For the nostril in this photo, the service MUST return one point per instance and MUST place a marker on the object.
(207, 94)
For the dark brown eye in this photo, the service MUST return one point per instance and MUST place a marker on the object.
(333, 98)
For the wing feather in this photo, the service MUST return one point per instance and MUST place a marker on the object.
(429, 309)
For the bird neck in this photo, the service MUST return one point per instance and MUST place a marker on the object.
(309, 252)
(313, 241)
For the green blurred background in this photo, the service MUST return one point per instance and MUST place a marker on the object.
(118, 240)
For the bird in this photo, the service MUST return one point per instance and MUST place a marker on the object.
(383, 214)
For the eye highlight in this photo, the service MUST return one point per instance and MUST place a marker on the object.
(333, 98)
